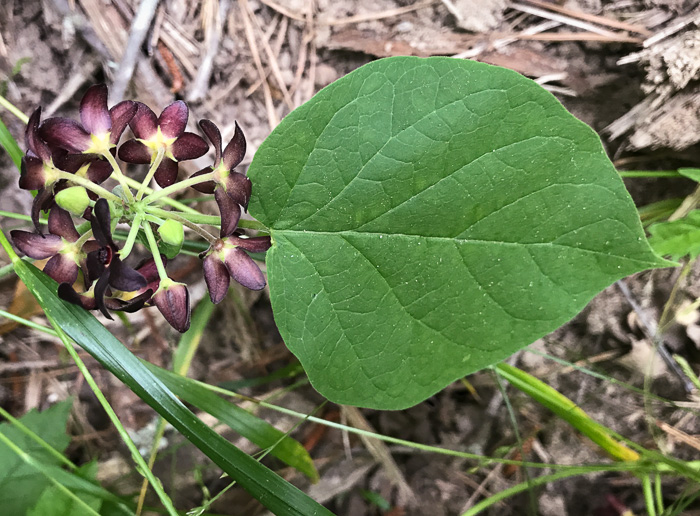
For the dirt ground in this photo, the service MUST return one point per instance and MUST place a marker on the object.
(628, 68)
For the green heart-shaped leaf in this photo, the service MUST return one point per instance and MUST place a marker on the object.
(429, 218)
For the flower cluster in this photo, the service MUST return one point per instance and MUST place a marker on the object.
(69, 162)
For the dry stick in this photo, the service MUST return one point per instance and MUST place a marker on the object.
(453, 9)
(279, 40)
(274, 65)
(271, 114)
(502, 43)
(313, 55)
(600, 20)
(200, 85)
(380, 452)
(651, 330)
(669, 31)
(679, 435)
(579, 36)
(176, 77)
(137, 34)
(567, 20)
(283, 11)
(306, 38)
(389, 13)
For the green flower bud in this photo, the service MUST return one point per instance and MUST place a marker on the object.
(74, 199)
(172, 232)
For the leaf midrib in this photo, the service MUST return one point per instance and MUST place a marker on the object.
(451, 240)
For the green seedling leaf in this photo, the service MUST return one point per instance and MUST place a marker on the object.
(690, 173)
(55, 502)
(273, 492)
(429, 218)
(20, 483)
(259, 432)
(678, 238)
(8, 143)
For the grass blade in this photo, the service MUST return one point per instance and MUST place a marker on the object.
(273, 492)
(8, 143)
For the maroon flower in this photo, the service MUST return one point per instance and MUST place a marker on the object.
(58, 245)
(173, 301)
(167, 132)
(37, 170)
(117, 300)
(227, 258)
(101, 127)
(231, 189)
(104, 268)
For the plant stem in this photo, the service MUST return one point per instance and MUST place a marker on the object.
(5, 243)
(211, 220)
(156, 253)
(182, 220)
(142, 466)
(28, 323)
(131, 237)
(20, 216)
(179, 186)
(83, 238)
(167, 200)
(648, 173)
(89, 185)
(119, 176)
(155, 163)
(12, 109)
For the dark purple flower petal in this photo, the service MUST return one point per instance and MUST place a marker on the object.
(66, 292)
(124, 278)
(62, 268)
(66, 134)
(132, 305)
(101, 224)
(93, 110)
(32, 174)
(133, 151)
(148, 270)
(100, 289)
(166, 173)
(212, 132)
(230, 212)
(144, 123)
(189, 146)
(207, 187)
(61, 224)
(43, 197)
(173, 301)
(32, 140)
(95, 263)
(217, 277)
(239, 188)
(254, 245)
(173, 119)
(243, 269)
(99, 171)
(36, 246)
(121, 114)
(235, 150)
(72, 162)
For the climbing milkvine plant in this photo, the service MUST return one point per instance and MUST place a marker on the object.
(425, 218)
